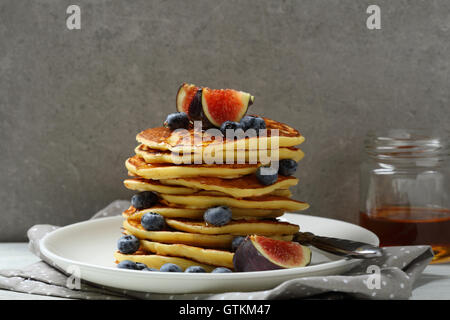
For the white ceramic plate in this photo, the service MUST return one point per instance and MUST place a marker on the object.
(90, 245)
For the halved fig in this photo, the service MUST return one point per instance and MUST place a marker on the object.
(258, 253)
(220, 105)
(189, 100)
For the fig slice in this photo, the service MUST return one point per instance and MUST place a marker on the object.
(259, 253)
(189, 100)
(220, 105)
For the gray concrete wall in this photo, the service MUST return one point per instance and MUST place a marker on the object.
(71, 102)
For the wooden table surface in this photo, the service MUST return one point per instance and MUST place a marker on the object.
(434, 283)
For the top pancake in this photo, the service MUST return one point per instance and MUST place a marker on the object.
(188, 141)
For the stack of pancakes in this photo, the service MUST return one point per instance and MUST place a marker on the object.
(186, 191)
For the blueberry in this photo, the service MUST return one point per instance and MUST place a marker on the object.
(221, 270)
(268, 176)
(229, 125)
(177, 120)
(217, 216)
(236, 243)
(128, 244)
(144, 200)
(140, 266)
(252, 122)
(170, 267)
(149, 269)
(127, 264)
(152, 221)
(259, 123)
(195, 269)
(287, 167)
(247, 122)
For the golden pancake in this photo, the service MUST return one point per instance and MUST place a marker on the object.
(157, 261)
(220, 258)
(138, 167)
(262, 202)
(191, 141)
(243, 187)
(194, 239)
(141, 184)
(182, 212)
(237, 228)
(262, 156)
(278, 192)
(222, 241)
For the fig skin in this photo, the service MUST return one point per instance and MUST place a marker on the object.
(195, 108)
(248, 258)
(251, 101)
(176, 97)
(206, 124)
(179, 109)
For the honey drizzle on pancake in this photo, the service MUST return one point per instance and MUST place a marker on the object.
(163, 138)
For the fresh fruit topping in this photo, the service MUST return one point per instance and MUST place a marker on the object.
(177, 120)
(217, 216)
(247, 122)
(266, 175)
(225, 104)
(195, 269)
(152, 221)
(195, 109)
(229, 125)
(287, 167)
(258, 123)
(144, 200)
(127, 264)
(258, 253)
(221, 270)
(253, 122)
(140, 266)
(170, 267)
(128, 244)
(189, 99)
(236, 242)
(149, 269)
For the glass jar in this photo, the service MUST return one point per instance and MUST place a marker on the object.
(405, 189)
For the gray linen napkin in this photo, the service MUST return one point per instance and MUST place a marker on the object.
(397, 270)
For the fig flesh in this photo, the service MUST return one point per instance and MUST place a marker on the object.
(258, 253)
(220, 105)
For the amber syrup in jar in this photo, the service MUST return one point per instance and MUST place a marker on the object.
(405, 189)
